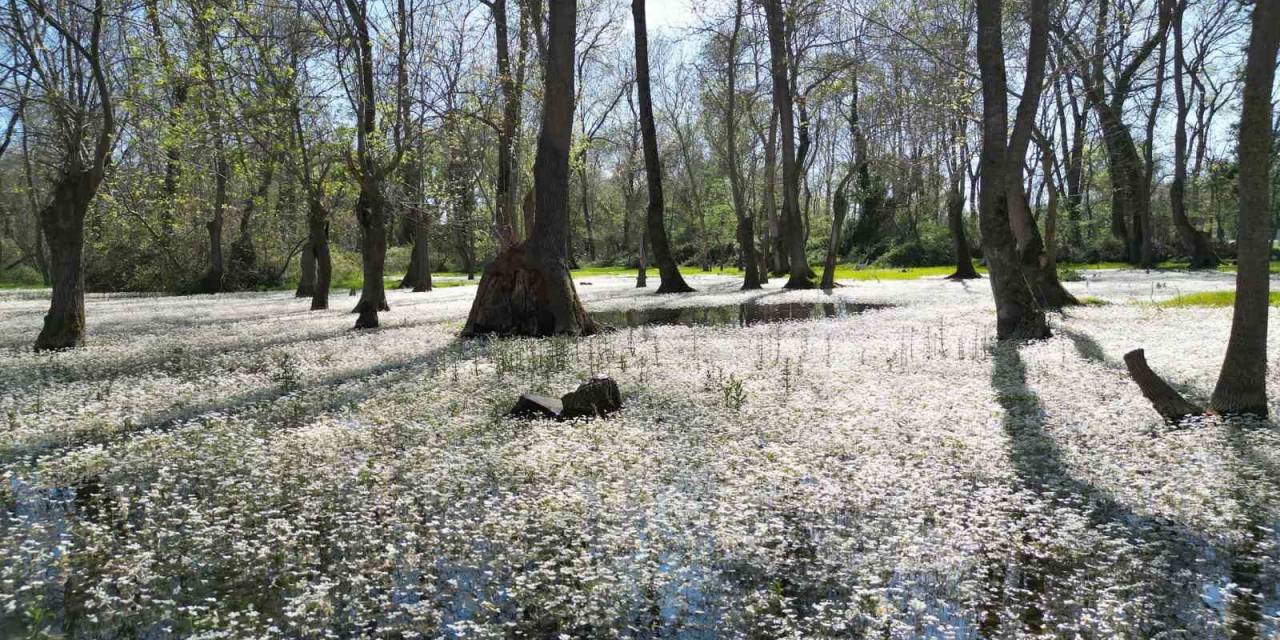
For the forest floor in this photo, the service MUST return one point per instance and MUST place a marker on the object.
(237, 466)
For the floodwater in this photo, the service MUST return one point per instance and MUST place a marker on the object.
(740, 315)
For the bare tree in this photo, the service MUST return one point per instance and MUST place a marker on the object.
(1017, 315)
(527, 289)
(61, 47)
(780, 68)
(1241, 386)
(668, 271)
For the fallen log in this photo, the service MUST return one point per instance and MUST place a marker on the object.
(1167, 401)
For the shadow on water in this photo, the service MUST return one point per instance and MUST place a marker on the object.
(742, 315)
(1170, 553)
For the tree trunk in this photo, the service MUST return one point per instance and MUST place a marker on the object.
(1242, 383)
(745, 230)
(504, 184)
(306, 272)
(1016, 313)
(318, 239)
(839, 209)
(642, 271)
(1194, 240)
(62, 221)
(1037, 266)
(418, 275)
(955, 220)
(793, 230)
(371, 215)
(668, 271)
(527, 289)
(212, 282)
(1167, 401)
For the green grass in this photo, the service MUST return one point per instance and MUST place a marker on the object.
(1210, 299)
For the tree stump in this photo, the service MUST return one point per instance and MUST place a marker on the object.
(522, 295)
(596, 397)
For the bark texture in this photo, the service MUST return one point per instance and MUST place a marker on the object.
(1242, 384)
(1017, 315)
(792, 226)
(527, 289)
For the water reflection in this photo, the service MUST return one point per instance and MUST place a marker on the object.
(741, 315)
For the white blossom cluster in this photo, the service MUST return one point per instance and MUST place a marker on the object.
(236, 466)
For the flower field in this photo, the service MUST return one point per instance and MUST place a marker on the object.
(237, 466)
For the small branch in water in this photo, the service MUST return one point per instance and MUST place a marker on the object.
(1167, 401)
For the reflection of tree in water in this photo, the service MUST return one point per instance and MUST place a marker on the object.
(1169, 555)
(742, 315)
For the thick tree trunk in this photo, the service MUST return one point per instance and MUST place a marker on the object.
(668, 271)
(371, 214)
(1242, 384)
(1017, 315)
(418, 275)
(955, 220)
(306, 272)
(318, 239)
(527, 289)
(62, 221)
(793, 228)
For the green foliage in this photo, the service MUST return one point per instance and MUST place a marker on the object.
(1210, 299)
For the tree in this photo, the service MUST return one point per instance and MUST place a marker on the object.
(1195, 240)
(793, 228)
(1130, 203)
(527, 289)
(1038, 268)
(1017, 315)
(670, 280)
(369, 172)
(1241, 387)
(504, 183)
(57, 47)
(1242, 383)
(730, 153)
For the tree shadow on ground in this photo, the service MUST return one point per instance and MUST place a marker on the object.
(1167, 548)
(329, 390)
(1244, 568)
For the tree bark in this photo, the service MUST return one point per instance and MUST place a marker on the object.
(504, 184)
(1167, 401)
(955, 221)
(1017, 315)
(306, 272)
(793, 229)
(370, 206)
(670, 280)
(527, 289)
(62, 221)
(1242, 385)
(318, 240)
(1037, 267)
